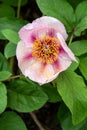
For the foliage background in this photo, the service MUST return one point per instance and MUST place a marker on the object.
(61, 104)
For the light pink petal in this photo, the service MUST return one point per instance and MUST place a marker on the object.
(52, 71)
(29, 32)
(65, 47)
(49, 73)
(51, 22)
(23, 52)
(28, 37)
(34, 71)
(63, 63)
(31, 68)
(59, 66)
(39, 73)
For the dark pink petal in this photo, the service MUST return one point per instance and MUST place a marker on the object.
(56, 66)
(27, 37)
(61, 65)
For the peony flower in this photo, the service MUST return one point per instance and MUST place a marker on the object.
(42, 52)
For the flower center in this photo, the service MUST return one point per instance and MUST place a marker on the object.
(46, 49)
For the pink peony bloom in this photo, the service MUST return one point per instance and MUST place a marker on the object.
(42, 52)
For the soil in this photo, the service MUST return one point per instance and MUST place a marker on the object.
(46, 116)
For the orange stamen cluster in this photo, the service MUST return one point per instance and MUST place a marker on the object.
(46, 49)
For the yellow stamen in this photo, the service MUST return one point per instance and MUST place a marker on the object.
(46, 49)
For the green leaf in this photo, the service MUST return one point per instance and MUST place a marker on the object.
(73, 91)
(60, 9)
(81, 26)
(74, 3)
(6, 11)
(83, 66)
(3, 97)
(74, 65)
(52, 93)
(11, 35)
(14, 2)
(25, 96)
(10, 50)
(4, 66)
(81, 11)
(79, 47)
(4, 75)
(10, 23)
(62, 113)
(66, 124)
(11, 121)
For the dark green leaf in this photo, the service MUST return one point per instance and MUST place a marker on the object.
(4, 66)
(10, 23)
(74, 65)
(11, 35)
(3, 97)
(79, 47)
(82, 25)
(52, 93)
(25, 96)
(62, 113)
(11, 121)
(73, 91)
(6, 11)
(4, 75)
(60, 9)
(83, 66)
(81, 11)
(10, 50)
(74, 3)
(66, 124)
(14, 2)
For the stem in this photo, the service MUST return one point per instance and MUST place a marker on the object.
(71, 38)
(13, 77)
(37, 121)
(12, 60)
(19, 7)
(12, 64)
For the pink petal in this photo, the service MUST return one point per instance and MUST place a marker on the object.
(23, 52)
(37, 71)
(66, 48)
(42, 25)
(59, 66)
(63, 63)
(51, 22)
(31, 68)
(40, 74)
(28, 36)
(34, 72)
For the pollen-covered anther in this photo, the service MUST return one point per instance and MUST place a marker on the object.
(46, 49)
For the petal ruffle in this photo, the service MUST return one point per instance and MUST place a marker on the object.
(51, 22)
(23, 52)
(40, 73)
(66, 48)
(30, 31)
